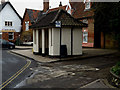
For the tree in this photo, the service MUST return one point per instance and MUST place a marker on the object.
(107, 18)
(26, 36)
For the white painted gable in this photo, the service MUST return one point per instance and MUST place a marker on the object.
(8, 14)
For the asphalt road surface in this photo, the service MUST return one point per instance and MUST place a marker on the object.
(72, 74)
(14, 69)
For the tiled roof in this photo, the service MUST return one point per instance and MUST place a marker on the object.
(4, 4)
(59, 15)
(34, 15)
(60, 7)
(79, 10)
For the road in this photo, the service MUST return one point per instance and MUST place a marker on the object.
(14, 69)
(72, 74)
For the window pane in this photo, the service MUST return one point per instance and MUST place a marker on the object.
(27, 25)
(87, 5)
(5, 23)
(10, 37)
(85, 37)
(10, 23)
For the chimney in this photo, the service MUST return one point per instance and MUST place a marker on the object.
(60, 4)
(2, 1)
(46, 5)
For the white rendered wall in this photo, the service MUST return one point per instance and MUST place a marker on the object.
(43, 41)
(36, 39)
(8, 14)
(50, 42)
(77, 41)
(66, 39)
(54, 45)
(56, 41)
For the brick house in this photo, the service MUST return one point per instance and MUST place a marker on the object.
(83, 12)
(10, 22)
(30, 17)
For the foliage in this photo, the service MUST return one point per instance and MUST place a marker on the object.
(26, 36)
(107, 18)
(107, 15)
(116, 69)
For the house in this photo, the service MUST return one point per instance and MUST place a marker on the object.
(10, 22)
(57, 33)
(29, 18)
(83, 12)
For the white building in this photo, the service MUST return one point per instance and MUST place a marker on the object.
(57, 33)
(10, 21)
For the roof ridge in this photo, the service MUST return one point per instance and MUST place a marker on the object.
(4, 4)
(33, 9)
(56, 15)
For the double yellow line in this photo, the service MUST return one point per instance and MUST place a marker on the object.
(4, 84)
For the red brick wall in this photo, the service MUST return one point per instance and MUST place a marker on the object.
(90, 29)
(46, 6)
(110, 41)
(5, 36)
(26, 18)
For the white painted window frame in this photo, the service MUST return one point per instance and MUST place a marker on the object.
(12, 33)
(8, 23)
(27, 26)
(87, 4)
(85, 21)
(85, 34)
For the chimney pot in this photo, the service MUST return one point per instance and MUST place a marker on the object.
(2, 1)
(60, 4)
(45, 5)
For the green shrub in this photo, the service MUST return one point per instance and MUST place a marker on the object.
(116, 69)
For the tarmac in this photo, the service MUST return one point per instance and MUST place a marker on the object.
(26, 51)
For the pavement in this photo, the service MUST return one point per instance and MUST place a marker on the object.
(26, 51)
(99, 83)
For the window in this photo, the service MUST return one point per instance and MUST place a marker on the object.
(11, 35)
(85, 36)
(27, 25)
(87, 5)
(85, 21)
(8, 23)
(69, 11)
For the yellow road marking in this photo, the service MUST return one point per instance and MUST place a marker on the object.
(15, 75)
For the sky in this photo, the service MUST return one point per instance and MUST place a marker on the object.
(20, 5)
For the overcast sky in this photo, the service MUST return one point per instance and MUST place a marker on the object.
(20, 5)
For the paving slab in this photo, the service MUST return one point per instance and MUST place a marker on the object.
(96, 84)
(26, 51)
(29, 54)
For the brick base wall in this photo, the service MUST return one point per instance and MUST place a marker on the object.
(5, 36)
